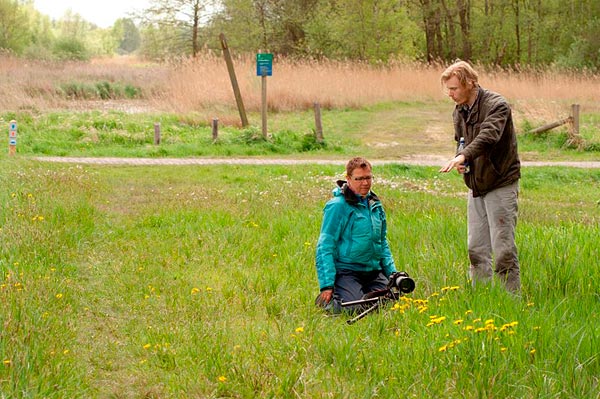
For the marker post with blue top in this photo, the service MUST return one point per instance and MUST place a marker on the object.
(264, 68)
(12, 138)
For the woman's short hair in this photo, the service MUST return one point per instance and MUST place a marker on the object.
(357, 162)
(463, 71)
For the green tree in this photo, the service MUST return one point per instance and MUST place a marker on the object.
(239, 21)
(14, 26)
(127, 34)
(180, 20)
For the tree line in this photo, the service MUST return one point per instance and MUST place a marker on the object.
(508, 33)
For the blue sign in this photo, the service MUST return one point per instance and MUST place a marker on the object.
(12, 142)
(264, 64)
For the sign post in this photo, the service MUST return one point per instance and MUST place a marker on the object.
(264, 68)
(12, 138)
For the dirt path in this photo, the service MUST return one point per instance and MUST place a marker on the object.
(426, 160)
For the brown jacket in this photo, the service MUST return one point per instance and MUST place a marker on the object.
(490, 143)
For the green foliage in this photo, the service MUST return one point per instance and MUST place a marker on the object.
(127, 34)
(67, 48)
(100, 90)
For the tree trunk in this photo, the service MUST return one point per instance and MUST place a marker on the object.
(196, 23)
(516, 9)
(464, 15)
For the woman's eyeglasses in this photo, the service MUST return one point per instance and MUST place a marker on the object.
(362, 178)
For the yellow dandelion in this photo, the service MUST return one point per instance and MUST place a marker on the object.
(489, 321)
(503, 349)
(307, 244)
(532, 352)
(443, 348)
(66, 351)
(299, 329)
(7, 362)
(457, 322)
(147, 346)
(58, 296)
(468, 312)
(222, 378)
(468, 328)
(195, 290)
(209, 289)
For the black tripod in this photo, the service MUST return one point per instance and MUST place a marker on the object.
(400, 283)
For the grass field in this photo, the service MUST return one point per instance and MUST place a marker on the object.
(198, 282)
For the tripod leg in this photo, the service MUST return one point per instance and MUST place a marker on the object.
(363, 314)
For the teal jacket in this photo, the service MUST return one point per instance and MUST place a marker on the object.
(353, 237)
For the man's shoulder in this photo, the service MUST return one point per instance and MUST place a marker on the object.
(491, 97)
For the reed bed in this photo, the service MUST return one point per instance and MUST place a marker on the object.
(203, 84)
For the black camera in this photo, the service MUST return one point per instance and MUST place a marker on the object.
(402, 282)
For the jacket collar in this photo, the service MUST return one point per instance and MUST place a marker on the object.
(351, 197)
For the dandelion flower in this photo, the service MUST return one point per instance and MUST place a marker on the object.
(7, 362)
(299, 329)
(195, 291)
(147, 346)
(222, 378)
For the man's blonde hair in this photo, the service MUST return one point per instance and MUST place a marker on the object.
(463, 71)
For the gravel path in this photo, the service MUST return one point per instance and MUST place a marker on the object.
(425, 161)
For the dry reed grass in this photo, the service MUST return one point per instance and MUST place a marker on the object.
(202, 85)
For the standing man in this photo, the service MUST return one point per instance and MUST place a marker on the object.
(491, 169)
(353, 257)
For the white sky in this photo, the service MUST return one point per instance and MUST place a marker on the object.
(100, 12)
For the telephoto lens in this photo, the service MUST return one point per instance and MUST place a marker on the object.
(402, 282)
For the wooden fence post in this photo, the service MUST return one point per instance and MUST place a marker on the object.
(318, 123)
(575, 116)
(234, 82)
(215, 129)
(156, 133)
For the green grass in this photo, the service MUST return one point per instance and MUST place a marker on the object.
(199, 282)
(384, 131)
